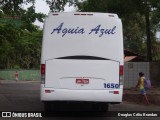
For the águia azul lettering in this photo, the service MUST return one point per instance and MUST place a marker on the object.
(98, 30)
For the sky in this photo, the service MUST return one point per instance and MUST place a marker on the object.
(42, 7)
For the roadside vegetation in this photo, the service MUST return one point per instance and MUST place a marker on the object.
(20, 39)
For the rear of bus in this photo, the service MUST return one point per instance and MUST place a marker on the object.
(82, 59)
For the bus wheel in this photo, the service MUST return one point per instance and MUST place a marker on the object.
(47, 106)
(104, 107)
(101, 106)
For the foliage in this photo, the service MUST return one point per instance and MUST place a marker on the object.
(8, 37)
(29, 16)
(58, 5)
(28, 49)
(19, 45)
(12, 7)
(133, 14)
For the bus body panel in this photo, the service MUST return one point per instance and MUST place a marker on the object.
(82, 95)
(89, 35)
(82, 74)
(92, 41)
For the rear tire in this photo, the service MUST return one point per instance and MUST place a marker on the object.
(104, 107)
(53, 106)
(100, 107)
(47, 106)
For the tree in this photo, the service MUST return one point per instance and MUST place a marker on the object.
(58, 5)
(28, 17)
(19, 45)
(28, 49)
(12, 7)
(134, 17)
(8, 37)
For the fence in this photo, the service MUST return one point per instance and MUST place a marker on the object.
(131, 71)
(155, 73)
(23, 74)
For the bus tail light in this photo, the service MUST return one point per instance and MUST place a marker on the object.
(47, 91)
(115, 92)
(121, 74)
(43, 67)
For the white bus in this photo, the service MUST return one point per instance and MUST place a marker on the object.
(82, 59)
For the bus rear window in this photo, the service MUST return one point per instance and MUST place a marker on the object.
(83, 58)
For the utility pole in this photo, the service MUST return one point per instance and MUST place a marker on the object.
(149, 52)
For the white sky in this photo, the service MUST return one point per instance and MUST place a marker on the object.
(42, 7)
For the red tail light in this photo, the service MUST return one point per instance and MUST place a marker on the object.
(121, 74)
(116, 92)
(47, 91)
(42, 68)
(121, 70)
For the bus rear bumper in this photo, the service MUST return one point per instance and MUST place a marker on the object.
(112, 95)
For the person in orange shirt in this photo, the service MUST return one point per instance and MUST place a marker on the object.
(140, 85)
(16, 76)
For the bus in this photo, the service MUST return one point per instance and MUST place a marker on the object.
(82, 59)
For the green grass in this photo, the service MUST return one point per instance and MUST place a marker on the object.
(23, 74)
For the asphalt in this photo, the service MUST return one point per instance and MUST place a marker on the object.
(129, 95)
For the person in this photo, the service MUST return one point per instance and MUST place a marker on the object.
(140, 85)
(16, 76)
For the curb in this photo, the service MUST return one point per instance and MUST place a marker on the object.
(16, 82)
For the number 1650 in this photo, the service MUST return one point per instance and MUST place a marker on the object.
(111, 85)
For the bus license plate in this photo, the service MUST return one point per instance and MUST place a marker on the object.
(82, 81)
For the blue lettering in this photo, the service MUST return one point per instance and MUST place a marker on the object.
(111, 85)
(76, 30)
(97, 30)
(81, 31)
(71, 31)
(108, 31)
(113, 30)
(65, 31)
(102, 31)
(58, 29)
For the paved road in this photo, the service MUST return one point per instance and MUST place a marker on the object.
(24, 96)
